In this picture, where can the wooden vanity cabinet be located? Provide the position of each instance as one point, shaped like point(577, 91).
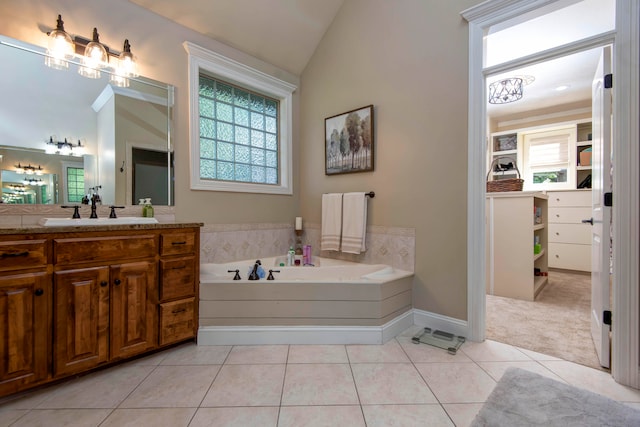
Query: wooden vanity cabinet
point(25, 330)
point(179, 278)
point(25, 312)
point(71, 301)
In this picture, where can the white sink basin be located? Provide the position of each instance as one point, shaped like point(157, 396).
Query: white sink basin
point(60, 222)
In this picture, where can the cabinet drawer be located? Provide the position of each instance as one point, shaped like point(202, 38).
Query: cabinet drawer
point(177, 321)
point(570, 233)
point(16, 255)
point(569, 256)
point(177, 277)
point(568, 215)
point(177, 243)
point(570, 198)
point(89, 249)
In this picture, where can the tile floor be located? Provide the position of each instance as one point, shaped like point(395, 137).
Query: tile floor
point(395, 384)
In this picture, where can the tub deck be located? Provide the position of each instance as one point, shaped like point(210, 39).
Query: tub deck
point(364, 302)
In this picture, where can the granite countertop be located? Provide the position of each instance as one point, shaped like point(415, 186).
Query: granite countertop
point(39, 229)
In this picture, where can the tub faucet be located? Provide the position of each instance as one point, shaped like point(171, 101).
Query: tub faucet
point(254, 271)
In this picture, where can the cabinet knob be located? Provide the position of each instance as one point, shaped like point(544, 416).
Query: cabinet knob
point(557, 215)
point(103, 283)
point(557, 234)
point(557, 256)
point(117, 282)
point(38, 292)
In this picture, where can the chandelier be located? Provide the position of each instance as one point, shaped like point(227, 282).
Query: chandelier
point(505, 91)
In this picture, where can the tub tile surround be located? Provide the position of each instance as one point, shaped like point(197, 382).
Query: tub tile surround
point(16, 216)
point(223, 243)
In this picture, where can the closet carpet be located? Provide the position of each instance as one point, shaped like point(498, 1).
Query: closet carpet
point(556, 323)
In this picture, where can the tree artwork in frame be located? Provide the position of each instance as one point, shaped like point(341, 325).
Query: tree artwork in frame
point(348, 141)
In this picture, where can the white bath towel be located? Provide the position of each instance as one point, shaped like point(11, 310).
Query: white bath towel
point(331, 222)
point(354, 222)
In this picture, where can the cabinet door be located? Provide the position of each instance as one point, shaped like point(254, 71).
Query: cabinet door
point(81, 319)
point(25, 319)
point(134, 299)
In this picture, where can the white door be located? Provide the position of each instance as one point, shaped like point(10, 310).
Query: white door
point(601, 215)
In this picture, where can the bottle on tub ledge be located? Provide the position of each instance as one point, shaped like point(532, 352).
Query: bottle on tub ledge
point(291, 257)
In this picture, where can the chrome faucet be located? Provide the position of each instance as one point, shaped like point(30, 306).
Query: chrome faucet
point(254, 271)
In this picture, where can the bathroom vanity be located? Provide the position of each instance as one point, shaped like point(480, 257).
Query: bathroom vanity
point(76, 298)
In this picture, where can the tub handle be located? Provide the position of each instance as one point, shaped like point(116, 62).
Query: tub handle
point(270, 277)
point(237, 276)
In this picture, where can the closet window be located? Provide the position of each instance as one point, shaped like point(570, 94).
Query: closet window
point(548, 159)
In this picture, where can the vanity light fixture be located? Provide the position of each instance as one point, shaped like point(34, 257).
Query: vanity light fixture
point(60, 47)
point(33, 181)
point(28, 170)
point(92, 54)
point(64, 148)
point(126, 67)
point(95, 57)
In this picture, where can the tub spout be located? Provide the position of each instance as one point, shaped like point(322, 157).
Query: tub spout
point(254, 271)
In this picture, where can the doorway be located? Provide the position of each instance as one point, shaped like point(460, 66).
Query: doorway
point(626, 211)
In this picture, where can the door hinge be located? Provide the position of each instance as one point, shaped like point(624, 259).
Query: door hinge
point(608, 199)
point(608, 81)
point(606, 317)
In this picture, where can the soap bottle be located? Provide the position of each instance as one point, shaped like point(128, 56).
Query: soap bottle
point(290, 256)
point(147, 211)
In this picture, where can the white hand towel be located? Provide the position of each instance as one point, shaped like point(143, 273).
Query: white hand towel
point(331, 222)
point(354, 222)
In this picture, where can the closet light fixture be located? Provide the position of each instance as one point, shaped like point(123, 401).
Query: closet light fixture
point(60, 47)
point(505, 91)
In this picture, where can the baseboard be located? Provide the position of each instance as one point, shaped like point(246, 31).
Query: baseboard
point(251, 335)
point(255, 335)
point(434, 321)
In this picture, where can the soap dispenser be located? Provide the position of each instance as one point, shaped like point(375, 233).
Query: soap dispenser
point(147, 211)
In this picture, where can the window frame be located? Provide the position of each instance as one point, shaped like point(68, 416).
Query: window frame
point(570, 133)
point(210, 63)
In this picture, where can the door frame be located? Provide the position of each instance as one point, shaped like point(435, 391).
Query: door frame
point(626, 211)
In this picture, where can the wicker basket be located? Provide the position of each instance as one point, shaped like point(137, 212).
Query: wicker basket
point(509, 184)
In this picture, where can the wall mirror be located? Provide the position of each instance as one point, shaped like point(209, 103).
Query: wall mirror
point(125, 133)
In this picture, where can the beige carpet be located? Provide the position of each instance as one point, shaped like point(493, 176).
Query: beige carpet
point(556, 323)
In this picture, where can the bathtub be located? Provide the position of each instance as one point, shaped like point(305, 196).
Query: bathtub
point(331, 302)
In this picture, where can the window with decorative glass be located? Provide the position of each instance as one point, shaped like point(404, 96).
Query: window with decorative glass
point(240, 125)
point(75, 184)
point(238, 134)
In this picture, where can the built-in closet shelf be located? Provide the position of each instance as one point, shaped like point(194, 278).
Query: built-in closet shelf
point(583, 168)
point(540, 255)
point(584, 143)
point(504, 153)
point(511, 232)
point(538, 283)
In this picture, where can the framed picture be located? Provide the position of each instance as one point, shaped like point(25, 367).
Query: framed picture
point(348, 142)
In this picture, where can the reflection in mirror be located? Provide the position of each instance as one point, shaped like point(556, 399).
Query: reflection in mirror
point(40, 103)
